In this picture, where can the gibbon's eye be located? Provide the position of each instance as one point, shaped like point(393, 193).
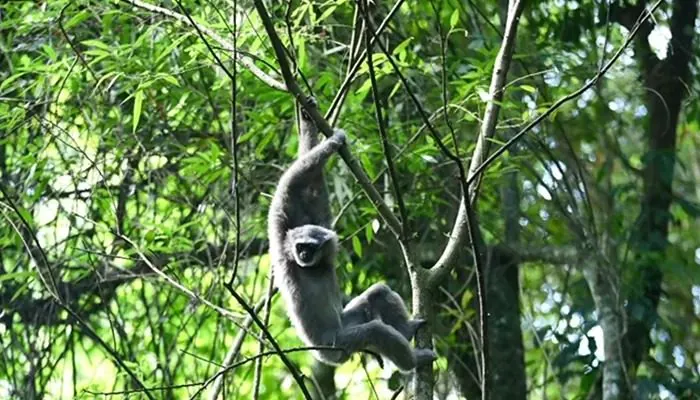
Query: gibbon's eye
point(306, 251)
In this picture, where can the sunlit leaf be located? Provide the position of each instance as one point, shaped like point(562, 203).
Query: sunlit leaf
point(138, 102)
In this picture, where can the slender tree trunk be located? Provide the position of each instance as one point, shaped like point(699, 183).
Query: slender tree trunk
point(666, 82)
point(508, 378)
point(604, 285)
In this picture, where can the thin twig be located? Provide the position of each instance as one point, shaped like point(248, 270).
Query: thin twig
point(240, 57)
point(334, 110)
point(234, 146)
point(477, 245)
point(218, 378)
point(443, 78)
point(261, 348)
point(381, 123)
point(72, 45)
point(277, 349)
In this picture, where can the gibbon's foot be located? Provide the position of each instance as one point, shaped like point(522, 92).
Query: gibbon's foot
point(424, 356)
point(413, 326)
point(339, 137)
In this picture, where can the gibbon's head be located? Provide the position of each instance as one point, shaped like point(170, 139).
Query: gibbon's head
point(310, 244)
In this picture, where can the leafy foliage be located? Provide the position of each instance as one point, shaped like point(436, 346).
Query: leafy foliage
point(117, 159)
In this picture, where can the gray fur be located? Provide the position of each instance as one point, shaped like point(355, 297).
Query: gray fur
point(303, 251)
point(315, 193)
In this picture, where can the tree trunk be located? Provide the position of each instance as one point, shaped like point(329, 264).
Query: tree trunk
point(666, 82)
point(507, 378)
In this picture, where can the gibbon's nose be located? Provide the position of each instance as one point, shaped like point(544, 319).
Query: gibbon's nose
point(305, 250)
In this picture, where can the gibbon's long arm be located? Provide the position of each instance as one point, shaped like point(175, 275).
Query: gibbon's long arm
point(301, 170)
point(296, 202)
point(315, 194)
point(308, 132)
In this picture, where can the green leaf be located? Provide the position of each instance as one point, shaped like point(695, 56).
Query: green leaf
point(169, 78)
point(302, 54)
point(166, 52)
point(6, 82)
point(50, 52)
point(357, 245)
point(400, 49)
point(369, 234)
point(454, 18)
point(138, 102)
point(18, 276)
point(528, 88)
point(76, 19)
point(96, 43)
point(466, 299)
point(327, 13)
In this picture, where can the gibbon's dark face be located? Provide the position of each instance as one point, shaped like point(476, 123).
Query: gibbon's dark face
point(306, 251)
point(310, 243)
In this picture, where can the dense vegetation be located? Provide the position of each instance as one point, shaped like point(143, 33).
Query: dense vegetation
point(140, 144)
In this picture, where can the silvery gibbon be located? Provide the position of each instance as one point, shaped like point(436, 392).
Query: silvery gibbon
point(303, 249)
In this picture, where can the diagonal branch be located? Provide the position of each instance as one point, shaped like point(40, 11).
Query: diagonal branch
point(323, 125)
point(381, 124)
point(458, 233)
point(498, 79)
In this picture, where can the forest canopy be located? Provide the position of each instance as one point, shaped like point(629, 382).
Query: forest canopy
point(525, 174)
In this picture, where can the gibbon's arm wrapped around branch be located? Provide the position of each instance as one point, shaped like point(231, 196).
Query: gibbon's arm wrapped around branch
point(308, 132)
point(299, 172)
point(297, 203)
point(316, 192)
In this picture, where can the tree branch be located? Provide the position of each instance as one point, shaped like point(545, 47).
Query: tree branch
point(488, 128)
point(449, 255)
point(389, 218)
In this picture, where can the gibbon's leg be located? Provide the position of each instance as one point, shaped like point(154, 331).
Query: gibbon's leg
point(380, 302)
point(305, 166)
point(385, 340)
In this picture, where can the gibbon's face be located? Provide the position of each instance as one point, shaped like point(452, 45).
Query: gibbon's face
point(309, 244)
point(307, 254)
